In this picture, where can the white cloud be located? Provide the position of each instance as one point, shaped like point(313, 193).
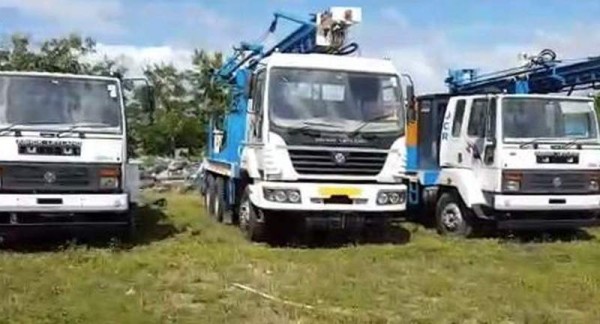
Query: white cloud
point(427, 54)
point(198, 25)
point(137, 58)
point(100, 16)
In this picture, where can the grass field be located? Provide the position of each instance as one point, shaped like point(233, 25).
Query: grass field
point(185, 269)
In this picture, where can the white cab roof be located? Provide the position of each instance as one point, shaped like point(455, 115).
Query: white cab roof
point(58, 75)
point(331, 62)
point(533, 95)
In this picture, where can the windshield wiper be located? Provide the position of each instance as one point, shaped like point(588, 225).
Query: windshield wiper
point(532, 142)
point(307, 126)
point(9, 128)
point(369, 121)
point(74, 128)
point(571, 143)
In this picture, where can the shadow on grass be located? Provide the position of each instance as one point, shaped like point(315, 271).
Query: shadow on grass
point(528, 237)
point(522, 236)
point(152, 225)
point(396, 235)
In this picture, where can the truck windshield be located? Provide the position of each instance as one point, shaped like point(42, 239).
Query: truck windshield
point(548, 118)
point(335, 100)
point(46, 102)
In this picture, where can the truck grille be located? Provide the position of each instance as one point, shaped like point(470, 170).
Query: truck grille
point(555, 182)
point(50, 178)
point(337, 162)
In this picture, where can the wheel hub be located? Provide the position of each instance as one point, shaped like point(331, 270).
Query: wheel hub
point(244, 213)
point(452, 217)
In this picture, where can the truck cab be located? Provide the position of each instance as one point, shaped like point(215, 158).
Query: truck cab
point(63, 155)
point(516, 161)
point(320, 139)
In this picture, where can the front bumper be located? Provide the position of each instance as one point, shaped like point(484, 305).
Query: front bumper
point(63, 203)
point(314, 197)
point(547, 224)
point(546, 202)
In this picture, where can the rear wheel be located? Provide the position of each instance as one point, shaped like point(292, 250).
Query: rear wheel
point(209, 196)
point(453, 218)
point(219, 199)
point(252, 220)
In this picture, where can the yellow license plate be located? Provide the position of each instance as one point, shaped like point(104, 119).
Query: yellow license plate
point(351, 192)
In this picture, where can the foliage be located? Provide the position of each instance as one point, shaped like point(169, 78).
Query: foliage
point(184, 98)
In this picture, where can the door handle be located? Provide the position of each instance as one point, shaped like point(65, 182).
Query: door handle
point(460, 158)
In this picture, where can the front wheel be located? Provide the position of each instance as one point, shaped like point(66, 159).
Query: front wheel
point(252, 221)
point(453, 217)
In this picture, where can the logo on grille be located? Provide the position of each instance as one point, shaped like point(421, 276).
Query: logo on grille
point(339, 158)
point(557, 182)
point(50, 177)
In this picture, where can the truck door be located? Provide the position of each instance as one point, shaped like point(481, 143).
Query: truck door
point(475, 133)
point(431, 112)
point(480, 133)
point(255, 118)
point(452, 141)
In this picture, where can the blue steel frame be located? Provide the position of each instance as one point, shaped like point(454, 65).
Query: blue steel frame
point(551, 77)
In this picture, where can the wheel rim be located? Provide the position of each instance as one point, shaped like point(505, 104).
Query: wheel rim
point(451, 217)
point(244, 214)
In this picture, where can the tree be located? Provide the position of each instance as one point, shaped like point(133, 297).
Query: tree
point(61, 55)
point(185, 99)
point(175, 123)
point(208, 96)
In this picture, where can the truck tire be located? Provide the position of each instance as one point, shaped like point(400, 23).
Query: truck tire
point(251, 226)
point(452, 217)
point(210, 194)
point(131, 230)
point(219, 199)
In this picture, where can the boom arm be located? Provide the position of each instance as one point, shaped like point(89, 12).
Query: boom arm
point(544, 74)
point(321, 33)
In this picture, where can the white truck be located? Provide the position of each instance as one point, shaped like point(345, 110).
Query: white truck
point(311, 139)
point(513, 161)
point(63, 152)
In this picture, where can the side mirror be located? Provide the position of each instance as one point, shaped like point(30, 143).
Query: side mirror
point(128, 84)
point(411, 104)
point(147, 93)
point(149, 99)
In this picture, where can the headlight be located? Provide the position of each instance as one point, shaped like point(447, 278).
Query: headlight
point(294, 196)
point(512, 185)
point(280, 196)
point(389, 197)
point(594, 185)
point(394, 198)
point(109, 178)
point(109, 182)
point(382, 198)
point(511, 181)
point(291, 196)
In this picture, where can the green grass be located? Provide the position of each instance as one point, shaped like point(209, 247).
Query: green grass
point(184, 268)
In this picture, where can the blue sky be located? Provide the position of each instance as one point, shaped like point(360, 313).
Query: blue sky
point(424, 38)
